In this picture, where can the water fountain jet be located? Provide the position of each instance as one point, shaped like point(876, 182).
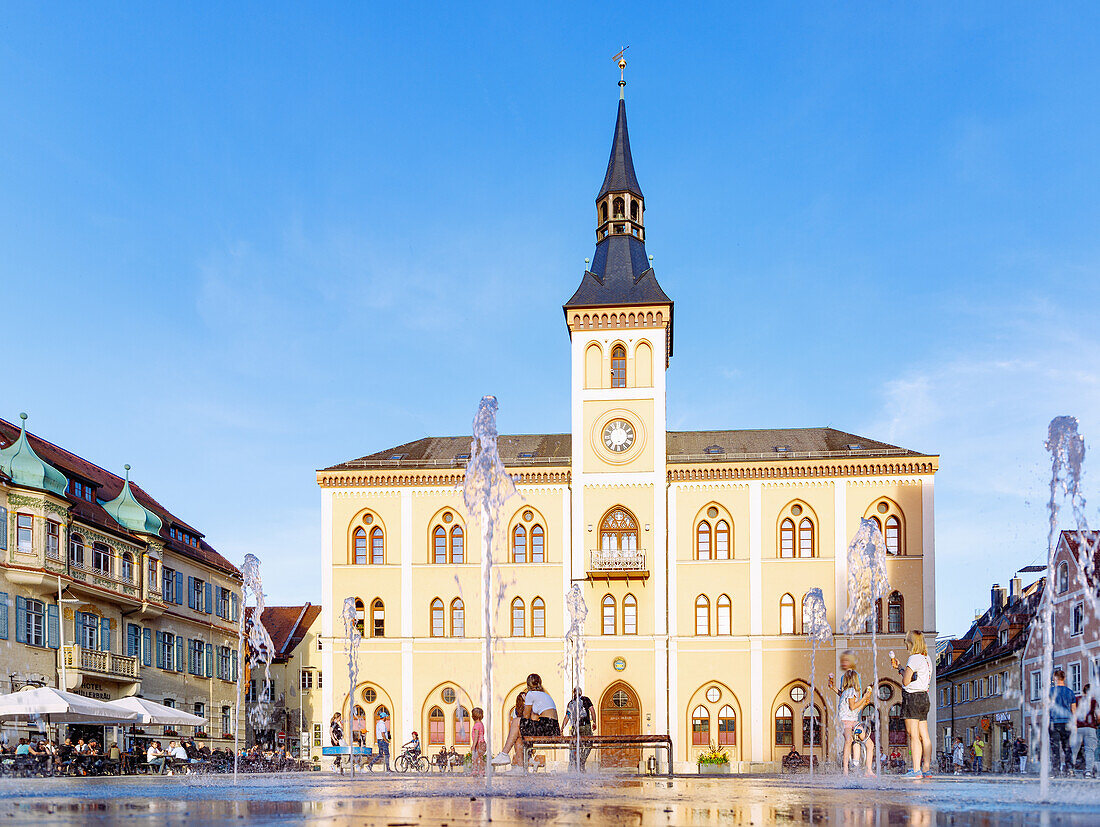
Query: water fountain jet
point(815, 621)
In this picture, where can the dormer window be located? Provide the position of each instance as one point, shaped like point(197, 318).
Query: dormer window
point(782, 449)
point(526, 455)
point(463, 456)
point(397, 456)
point(714, 449)
point(82, 491)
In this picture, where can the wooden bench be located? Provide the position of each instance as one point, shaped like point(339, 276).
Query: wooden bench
point(657, 742)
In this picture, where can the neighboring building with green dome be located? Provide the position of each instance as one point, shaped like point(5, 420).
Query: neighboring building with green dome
point(106, 593)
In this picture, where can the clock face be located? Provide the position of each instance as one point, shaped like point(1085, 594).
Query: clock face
point(618, 435)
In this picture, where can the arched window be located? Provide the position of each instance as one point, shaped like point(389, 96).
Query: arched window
point(457, 545)
point(895, 726)
point(700, 727)
point(377, 550)
point(458, 618)
point(1063, 577)
point(519, 544)
point(439, 545)
point(806, 538)
point(360, 616)
point(538, 544)
point(519, 618)
point(437, 726)
point(895, 614)
point(806, 619)
point(724, 609)
point(618, 531)
point(784, 727)
point(634, 209)
point(786, 538)
point(702, 541)
point(618, 367)
point(608, 614)
point(630, 615)
point(76, 550)
point(619, 208)
point(439, 626)
point(702, 615)
point(538, 618)
point(806, 722)
point(727, 726)
point(101, 558)
point(722, 540)
point(127, 567)
point(378, 618)
point(786, 615)
point(893, 535)
point(359, 546)
point(462, 725)
point(603, 211)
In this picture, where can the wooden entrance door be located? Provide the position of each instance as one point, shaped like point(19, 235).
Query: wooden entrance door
point(620, 714)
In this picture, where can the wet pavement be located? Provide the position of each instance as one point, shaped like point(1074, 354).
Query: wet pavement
point(397, 801)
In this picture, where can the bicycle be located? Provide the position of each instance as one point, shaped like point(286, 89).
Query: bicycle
point(411, 760)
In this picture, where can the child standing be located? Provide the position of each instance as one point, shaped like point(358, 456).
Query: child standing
point(958, 755)
point(851, 702)
point(480, 748)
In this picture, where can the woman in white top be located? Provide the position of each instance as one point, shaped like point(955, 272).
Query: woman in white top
point(916, 677)
point(539, 709)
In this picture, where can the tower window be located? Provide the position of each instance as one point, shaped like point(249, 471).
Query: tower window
point(603, 211)
point(620, 208)
point(634, 210)
point(618, 367)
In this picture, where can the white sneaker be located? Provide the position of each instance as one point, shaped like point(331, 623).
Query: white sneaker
point(501, 760)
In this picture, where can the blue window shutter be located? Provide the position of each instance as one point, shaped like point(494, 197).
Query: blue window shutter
point(179, 588)
point(208, 598)
point(233, 677)
point(53, 627)
point(179, 653)
point(104, 635)
point(234, 607)
point(133, 640)
point(146, 646)
point(209, 673)
point(3, 615)
point(20, 619)
point(160, 649)
point(190, 592)
point(3, 528)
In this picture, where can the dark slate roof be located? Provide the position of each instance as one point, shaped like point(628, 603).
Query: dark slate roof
point(620, 166)
point(620, 275)
point(683, 446)
point(108, 486)
point(1019, 610)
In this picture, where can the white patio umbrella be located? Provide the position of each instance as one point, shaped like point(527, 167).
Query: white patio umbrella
point(151, 712)
point(58, 707)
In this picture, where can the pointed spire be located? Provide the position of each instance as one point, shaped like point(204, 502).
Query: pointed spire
point(25, 467)
point(620, 175)
point(129, 513)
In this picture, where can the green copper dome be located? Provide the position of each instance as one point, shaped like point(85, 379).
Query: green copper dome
point(129, 513)
point(23, 465)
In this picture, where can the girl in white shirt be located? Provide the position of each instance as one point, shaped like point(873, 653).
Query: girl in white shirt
point(916, 677)
point(851, 702)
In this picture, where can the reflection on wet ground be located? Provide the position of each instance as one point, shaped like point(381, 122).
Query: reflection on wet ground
point(545, 800)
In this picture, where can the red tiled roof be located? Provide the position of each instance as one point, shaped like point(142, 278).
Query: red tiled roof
point(1073, 540)
point(287, 625)
point(109, 487)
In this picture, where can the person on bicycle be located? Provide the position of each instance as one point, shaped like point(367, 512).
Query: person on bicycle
point(412, 746)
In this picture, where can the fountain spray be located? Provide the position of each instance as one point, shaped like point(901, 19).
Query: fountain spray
point(574, 657)
point(260, 650)
point(486, 488)
point(816, 625)
point(867, 584)
point(354, 638)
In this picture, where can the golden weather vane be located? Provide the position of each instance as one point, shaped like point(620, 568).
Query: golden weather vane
point(620, 58)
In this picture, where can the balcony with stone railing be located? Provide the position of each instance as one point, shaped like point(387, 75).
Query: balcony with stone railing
point(89, 664)
point(617, 564)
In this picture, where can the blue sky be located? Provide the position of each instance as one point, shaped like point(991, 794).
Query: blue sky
point(243, 243)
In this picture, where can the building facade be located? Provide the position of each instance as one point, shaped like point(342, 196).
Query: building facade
point(694, 549)
point(1076, 627)
point(979, 674)
point(290, 711)
point(106, 593)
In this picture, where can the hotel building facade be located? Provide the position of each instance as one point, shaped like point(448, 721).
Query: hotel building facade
point(694, 549)
point(106, 593)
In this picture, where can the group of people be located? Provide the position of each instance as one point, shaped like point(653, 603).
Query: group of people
point(916, 677)
point(48, 758)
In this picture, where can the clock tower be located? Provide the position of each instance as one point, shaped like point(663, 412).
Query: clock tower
point(620, 330)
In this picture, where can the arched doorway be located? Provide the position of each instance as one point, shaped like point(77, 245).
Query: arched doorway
point(620, 714)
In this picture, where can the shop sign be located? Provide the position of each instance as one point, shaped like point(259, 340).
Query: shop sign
point(93, 690)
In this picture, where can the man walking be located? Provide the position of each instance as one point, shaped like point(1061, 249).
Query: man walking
point(1087, 712)
point(382, 736)
point(581, 712)
point(979, 752)
point(1063, 705)
point(1019, 752)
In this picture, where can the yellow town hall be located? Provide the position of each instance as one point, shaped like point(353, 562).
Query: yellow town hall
point(694, 549)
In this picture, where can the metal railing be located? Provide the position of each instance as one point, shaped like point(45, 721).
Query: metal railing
point(103, 663)
point(615, 560)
